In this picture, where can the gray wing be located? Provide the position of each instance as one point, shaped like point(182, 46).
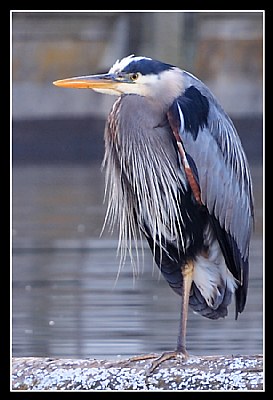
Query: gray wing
point(216, 157)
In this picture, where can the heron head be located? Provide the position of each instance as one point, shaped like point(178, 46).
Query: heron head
point(133, 75)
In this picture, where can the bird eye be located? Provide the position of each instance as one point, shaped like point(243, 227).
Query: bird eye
point(134, 76)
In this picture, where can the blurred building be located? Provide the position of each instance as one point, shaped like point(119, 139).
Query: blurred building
point(64, 304)
point(224, 49)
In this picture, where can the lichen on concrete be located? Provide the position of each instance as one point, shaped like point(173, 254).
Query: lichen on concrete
point(197, 373)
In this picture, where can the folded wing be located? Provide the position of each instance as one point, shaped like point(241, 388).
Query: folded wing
point(215, 157)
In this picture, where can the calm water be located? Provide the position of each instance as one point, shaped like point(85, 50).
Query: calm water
point(67, 301)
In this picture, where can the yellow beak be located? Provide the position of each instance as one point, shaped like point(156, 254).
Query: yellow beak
point(104, 81)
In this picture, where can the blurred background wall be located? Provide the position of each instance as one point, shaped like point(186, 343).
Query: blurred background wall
point(224, 49)
point(64, 303)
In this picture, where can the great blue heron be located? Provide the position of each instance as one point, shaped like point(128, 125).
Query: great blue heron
point(176, 172)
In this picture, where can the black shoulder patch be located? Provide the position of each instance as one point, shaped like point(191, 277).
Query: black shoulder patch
point(146, 66)
point(195, 109)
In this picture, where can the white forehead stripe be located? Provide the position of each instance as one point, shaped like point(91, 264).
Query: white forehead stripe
point(121, 64)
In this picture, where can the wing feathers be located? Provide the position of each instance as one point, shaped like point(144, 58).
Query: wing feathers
point(221, 170)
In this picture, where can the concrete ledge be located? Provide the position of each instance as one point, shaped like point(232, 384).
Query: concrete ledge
point(238, 372)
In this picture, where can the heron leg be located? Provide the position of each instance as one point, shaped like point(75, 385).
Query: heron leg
point(187, 273)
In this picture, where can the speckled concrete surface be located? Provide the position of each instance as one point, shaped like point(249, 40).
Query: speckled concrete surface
point(197, 373)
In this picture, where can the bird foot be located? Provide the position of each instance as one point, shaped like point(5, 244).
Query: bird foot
point(143, 357)
point(165, 357)
point(159, 360)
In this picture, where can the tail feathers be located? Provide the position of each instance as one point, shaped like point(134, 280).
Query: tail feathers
point(241, 291)
point(200, 306)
